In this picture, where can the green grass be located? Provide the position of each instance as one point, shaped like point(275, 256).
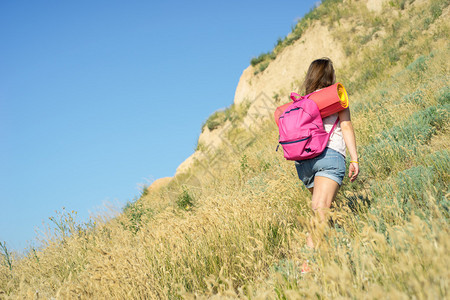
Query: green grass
point(185, 200)
point(233, 113)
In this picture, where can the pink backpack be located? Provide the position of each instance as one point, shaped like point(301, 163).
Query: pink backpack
point(302, 134)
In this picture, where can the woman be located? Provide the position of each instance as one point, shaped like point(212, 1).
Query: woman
point(323, 174)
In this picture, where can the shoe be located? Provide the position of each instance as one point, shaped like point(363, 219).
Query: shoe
point(306, 268)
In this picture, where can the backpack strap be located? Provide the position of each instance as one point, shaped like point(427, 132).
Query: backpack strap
point(332, 128)
point(296, 97)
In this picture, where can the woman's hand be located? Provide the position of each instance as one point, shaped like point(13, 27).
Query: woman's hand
point(353, 171)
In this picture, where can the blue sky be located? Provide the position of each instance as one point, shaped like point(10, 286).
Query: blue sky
point(99, 97)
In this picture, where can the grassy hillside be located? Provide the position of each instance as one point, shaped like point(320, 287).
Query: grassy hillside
point(235, 224)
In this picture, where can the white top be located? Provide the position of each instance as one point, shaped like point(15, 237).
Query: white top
point(336, 141)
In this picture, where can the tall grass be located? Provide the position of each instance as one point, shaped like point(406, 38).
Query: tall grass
point(238, 228)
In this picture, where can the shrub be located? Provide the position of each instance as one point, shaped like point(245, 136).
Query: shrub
point(415, 97)
point(443, 96)
point(365, 38)
point(134, 213)
point(215, 120)
point(232, 113)
point(263, 66)
point(257, 60)
point(264, 57)
point(398, 4)
point(440, 162)
point(419, 65)
point(393, 54)
point(185, 201)
point(436, 10)
point(244, 163)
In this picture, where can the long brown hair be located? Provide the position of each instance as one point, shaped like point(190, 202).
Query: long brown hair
point(320, 75)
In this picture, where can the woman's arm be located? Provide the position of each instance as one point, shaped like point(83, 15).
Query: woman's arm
point(350, 142)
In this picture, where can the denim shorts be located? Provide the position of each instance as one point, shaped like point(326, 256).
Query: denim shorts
point(329, 163)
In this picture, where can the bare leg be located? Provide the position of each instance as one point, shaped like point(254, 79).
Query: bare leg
point(323, 193)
